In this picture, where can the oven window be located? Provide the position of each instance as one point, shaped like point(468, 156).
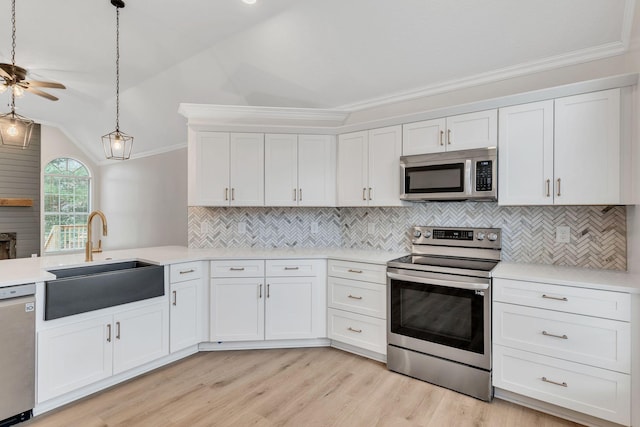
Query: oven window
point(435, 179)
point(448, 316)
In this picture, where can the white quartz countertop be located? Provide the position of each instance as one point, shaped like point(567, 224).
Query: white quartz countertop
point(610, 280)
point(28, 270)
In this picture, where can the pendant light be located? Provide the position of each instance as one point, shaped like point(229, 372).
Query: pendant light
point(117, 144)
point(15, 130)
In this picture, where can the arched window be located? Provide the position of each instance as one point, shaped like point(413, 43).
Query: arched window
point(67, 204)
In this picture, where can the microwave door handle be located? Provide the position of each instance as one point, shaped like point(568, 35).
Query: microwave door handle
point(467, 177)
point(438, 282)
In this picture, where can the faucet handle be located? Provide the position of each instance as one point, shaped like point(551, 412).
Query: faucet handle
point(99, 248)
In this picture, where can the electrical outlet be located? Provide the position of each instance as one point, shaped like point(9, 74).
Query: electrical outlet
point(242, 227)
point(314, 228)
point(371, 228)
point(563, 234)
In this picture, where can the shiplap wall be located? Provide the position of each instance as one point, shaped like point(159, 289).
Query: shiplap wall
point(20, 177)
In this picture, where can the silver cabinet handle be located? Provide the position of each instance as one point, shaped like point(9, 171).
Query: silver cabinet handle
point(292, 268)
point(226, 193)
point(370, 193)
point(548, 188)
point(364, 194)
point(187, 271)
point(441, 135)
point(233, 194)
point(268, 290)
point(558, 187)
point(175, 298)
point(260, 291)
point(354, 297)
point(300, 194)
point(449, 136)
point(359, 331)
point(562, 384)
point(108, 332)
point(547, 334)
point(117, 330)
point(236, 268)
point(295, 193)
point(354, 271)
point(554, 298)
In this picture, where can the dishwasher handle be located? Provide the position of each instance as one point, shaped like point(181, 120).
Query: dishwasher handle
point(10, 292)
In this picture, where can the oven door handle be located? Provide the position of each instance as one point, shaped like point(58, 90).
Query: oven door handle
point(439, 282)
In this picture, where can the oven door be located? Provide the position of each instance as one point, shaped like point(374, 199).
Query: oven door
point(442, 315)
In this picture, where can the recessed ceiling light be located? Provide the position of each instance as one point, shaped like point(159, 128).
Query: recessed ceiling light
point(249, 1)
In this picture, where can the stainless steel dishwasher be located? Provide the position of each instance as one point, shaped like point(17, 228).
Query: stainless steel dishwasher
point(17, 353)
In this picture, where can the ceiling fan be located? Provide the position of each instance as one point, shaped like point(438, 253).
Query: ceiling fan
point(15, 77)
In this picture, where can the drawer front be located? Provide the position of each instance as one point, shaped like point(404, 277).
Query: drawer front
point(602, 343)
point(185, 271)
point(358, 330)
point(295, 268)
point(598, 392)
point(358, 297)
point(237, 268)
point(591, 302)
point(358, 271)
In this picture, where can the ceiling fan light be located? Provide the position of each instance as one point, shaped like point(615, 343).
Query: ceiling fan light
point(18, 91)
point(15, 130)
point(117, 145)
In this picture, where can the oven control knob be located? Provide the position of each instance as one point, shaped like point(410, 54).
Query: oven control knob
point(480, 236)
point(426, 234)
point(417, 233)
point(492, 236)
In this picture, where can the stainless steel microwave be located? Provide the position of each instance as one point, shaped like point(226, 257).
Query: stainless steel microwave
point(454, 175)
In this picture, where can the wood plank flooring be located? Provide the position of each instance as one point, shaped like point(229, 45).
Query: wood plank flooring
point(284, 387)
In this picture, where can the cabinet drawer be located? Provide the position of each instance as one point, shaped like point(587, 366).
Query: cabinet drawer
point(294, 268)
point(358, 297)
point(358, 330)
point(358, 271)
point(185, 271)
point(570, 299)
point(597, 342)
point(598, 392)
point(237, 268)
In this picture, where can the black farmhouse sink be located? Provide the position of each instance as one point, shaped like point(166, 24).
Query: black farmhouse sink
point(81, 289)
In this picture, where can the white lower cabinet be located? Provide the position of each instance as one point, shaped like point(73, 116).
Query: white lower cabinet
point(287, 303)
point(564, 345)
point(357, 302)
point(188, 305)
point(80, 353)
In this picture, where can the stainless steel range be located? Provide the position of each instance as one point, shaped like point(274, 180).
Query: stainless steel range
point(439, 308)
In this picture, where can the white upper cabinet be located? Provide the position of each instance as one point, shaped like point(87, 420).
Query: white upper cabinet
point(299, 170)
point(226, 169)
point(461, 132)
point(565, 151)
point(369, 167)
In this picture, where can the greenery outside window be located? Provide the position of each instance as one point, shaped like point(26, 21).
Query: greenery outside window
point(67, 204)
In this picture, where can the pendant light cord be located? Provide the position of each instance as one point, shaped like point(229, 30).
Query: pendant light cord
point(117, 69)
point(13, 52)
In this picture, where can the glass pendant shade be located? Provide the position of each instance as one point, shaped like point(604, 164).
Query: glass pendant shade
point(15, 130)
point(117, 145)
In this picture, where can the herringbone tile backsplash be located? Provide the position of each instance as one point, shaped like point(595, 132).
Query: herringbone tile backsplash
point(598, 234)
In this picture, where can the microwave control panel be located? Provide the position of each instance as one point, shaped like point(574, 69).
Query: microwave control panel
point(484, 175)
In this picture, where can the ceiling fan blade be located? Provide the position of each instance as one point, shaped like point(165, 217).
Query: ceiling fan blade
point(41, 93)
point(4, 74)
point(52, 85)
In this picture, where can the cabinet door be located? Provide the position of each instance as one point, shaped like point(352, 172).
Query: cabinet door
point(247, 169)
point(73, 356)
point(237, 309)
point(316, 170)
point(281, 170)
point(423, 137)
point(140, 336)
point(289, 312)
point(352, 169)
point(208, 169)
point(185, 314)
point(587, 149)
point(473, 130)
point(526, 154)
point(385, 147)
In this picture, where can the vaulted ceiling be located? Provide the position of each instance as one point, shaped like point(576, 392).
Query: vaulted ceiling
point(288, 53)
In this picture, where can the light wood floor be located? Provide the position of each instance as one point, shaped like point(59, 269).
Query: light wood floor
point(289, 387)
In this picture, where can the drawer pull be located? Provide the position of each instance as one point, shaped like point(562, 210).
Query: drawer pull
point(562, 384)
point(355, 271)
point(236, 268)
point(175, 298)
point(187, 271)
point(547, 334)
point(117, 330)
point(359, 331)
point(555, 298)
point(353, 297)
point(108, 332)
point(292, 268)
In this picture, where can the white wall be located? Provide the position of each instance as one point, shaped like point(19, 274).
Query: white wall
point(145, 201)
